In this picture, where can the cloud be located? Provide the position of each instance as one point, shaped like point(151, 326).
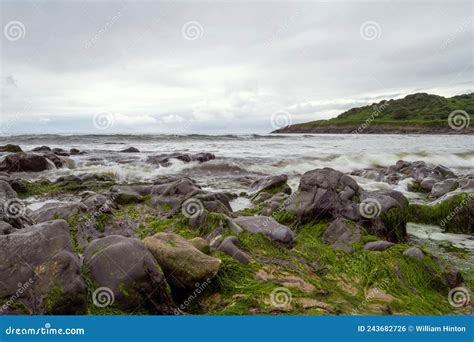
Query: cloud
point(78, 59)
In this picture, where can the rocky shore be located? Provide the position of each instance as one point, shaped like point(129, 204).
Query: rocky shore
point(170, 247)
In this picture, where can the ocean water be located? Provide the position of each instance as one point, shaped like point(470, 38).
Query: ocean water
point(252, 155)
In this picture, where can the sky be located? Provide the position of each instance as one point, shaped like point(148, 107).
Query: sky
point(218, 67)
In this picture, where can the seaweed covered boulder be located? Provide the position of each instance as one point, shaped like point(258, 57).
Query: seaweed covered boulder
point(41, 261)
point(10, 148)
point(325, 193)
point(128, 272)
point(454, 213)
point(54, 210)
point(183, 264)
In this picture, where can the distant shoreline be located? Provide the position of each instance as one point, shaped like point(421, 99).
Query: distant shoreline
point(372, 130)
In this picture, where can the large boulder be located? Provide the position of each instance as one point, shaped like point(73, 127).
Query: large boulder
point(325, 192)
point(442, 188)
point(268, 227)
point(28, 162)
point(128, 272)
point(342, 233)
point(183, 264)
point(41, 261)
point(12, 210)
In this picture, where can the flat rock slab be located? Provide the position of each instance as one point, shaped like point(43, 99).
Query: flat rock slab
point(267, 226)
point(341, 234)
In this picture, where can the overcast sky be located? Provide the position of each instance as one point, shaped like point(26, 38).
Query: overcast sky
point(221, 67)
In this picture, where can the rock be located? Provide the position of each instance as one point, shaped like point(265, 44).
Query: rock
point(182, 263)
point(42, 149)
point(6, 228)
point(127, 197)
point(60, 152)
point(51, 211)
point(200, 244)
point(10, 148)
point(131, 150)
point(96, 202)
point(164, 159)
point(427, 183)
point(323, 192)
point(229, 247)
point(441, 188)
point(42, 257)
point(27, 162)
point(175, 192)
point(466, 184)
point(378, 245)
point(386, 211)
point(414, 252)
point(342, 233)
point(75, 152)
point(268, 227)
point(6, 191)
point(454, 278)
point(271, 184)
point(128, 270)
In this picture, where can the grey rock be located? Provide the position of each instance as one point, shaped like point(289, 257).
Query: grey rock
point(131, 150)
point(269, 183)
point(378, 245)
point(126, 267)
point(42, 256)
point(441, 188)
point(414, 252)
point(267, 226)
point(51, 211)
point(342, 233)
point(229, 247)
point(28, 162)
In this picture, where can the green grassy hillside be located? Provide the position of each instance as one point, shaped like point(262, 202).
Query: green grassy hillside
point(418, 111)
